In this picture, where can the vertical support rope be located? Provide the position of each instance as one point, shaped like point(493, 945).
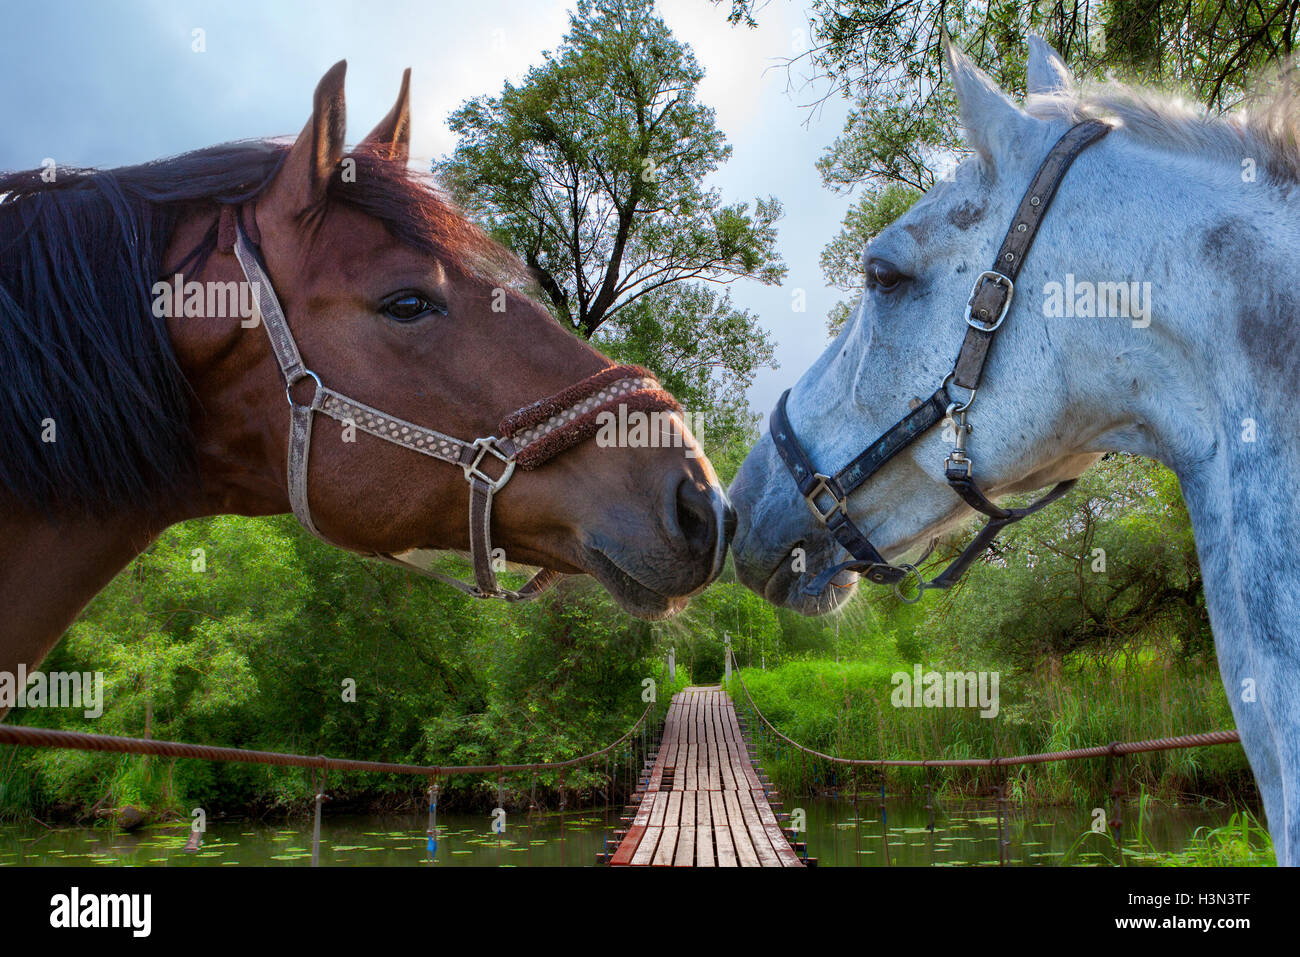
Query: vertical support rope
point(1115, 771)
point(561, 818)
point(320, 797)
point(1004, 826)
point(501, 821)
point(609, 797)
point(884, 820)
point(532, 809)
point(929, 811)
point(431, 843)
point(857, 820)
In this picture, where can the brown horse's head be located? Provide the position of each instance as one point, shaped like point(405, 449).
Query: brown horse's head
point(399, 302)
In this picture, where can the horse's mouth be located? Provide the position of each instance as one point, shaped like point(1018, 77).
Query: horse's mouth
point(783, 586)
point(632, 595)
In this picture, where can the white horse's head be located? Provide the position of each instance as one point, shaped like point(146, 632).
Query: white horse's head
point(1065, 381)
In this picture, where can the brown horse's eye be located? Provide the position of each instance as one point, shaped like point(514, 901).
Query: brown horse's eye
point(409, 306)
point(884, 275)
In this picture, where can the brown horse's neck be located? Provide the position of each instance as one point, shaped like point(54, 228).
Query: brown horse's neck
point(48, 572)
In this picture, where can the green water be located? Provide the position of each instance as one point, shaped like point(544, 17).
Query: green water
point(964, 834)
point(346, 839)
point(967, 833)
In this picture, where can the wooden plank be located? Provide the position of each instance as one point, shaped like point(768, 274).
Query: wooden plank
point(667, 848)
point(673, 813)
point(685, 847)
point(775, 833)
point(645, 851)
point(703, 831)
point(627, 849)
point(721, 833)
point(658, 808)
point(745, 852)
point(767, 856)
point(715, 763)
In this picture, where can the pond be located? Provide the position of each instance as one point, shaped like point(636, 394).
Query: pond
point(965, 833)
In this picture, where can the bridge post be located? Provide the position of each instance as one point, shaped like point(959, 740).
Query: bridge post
point(726, 654)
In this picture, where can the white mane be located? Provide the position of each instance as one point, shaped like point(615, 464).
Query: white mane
point(1268, 130)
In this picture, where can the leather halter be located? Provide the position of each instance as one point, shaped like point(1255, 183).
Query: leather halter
point(529, 437)
point(987, 308)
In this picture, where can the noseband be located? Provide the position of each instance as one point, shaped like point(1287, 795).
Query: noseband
point(529, 437)
point(989, 302)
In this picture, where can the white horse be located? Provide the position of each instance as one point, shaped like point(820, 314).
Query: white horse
point(1203, 215)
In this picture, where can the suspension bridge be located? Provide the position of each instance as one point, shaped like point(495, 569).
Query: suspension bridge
point(704, 804)
point(697, 797)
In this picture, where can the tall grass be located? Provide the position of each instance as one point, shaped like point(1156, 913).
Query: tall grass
point(844, 709)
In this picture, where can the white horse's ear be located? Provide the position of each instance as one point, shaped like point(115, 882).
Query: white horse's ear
point(991, 120)
point(1046, 73)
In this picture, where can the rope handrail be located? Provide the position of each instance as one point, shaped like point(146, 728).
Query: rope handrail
point(23, 736)
point(1113, 749)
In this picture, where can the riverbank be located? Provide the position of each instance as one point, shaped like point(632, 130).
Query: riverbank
point(855, 709)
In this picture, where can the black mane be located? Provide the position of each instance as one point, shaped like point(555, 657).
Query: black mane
point(79, 343)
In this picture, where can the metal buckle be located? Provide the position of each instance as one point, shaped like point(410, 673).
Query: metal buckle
point(958, 456)
point(304, 374)
point(921, 585)
point(485, 447)
point(811, 499)
point(1001, 280)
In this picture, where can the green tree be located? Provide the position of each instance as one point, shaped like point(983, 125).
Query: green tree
point(706, 352)
point(887, 57)
point(593, 170)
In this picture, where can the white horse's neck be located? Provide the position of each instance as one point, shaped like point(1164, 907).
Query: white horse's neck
point(1209, 389)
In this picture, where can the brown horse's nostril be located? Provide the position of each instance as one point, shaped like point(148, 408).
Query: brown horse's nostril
point(695, 518)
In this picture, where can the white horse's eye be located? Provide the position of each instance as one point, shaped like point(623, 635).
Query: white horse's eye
point(884, 275)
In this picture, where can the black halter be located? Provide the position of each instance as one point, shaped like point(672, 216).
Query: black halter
point(989, 302)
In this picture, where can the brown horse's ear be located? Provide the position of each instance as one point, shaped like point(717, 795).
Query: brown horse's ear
point(392, 137)
point(319, 146)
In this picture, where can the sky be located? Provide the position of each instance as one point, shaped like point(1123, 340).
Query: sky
point(89, 83)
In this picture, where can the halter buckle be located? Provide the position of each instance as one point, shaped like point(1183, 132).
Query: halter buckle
point(487, 446)
point(302, 374)
point(921, 585)
point(998, 279)
point(824, 486)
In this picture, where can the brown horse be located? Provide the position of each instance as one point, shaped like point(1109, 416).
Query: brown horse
point(116, 423)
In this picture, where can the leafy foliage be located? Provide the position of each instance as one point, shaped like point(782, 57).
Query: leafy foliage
point(706, 352)
point(887, 57)
point(593, 170)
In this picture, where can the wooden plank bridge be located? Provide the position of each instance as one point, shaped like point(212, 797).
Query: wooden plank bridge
point(704, 804)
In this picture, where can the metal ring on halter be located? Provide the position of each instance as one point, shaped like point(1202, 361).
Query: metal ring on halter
point(304, 374)
point(920, 585)
point(488, 446)
point(954, 407)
